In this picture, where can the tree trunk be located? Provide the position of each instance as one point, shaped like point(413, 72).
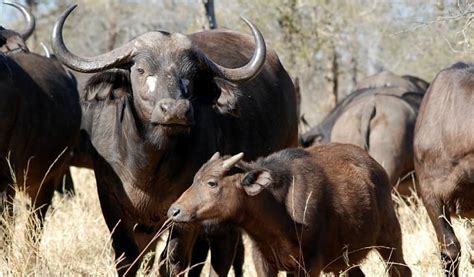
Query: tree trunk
point(210, 22)
point(331, 77)
point(354, 71)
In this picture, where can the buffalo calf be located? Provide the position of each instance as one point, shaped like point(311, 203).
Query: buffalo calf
point(305, 209)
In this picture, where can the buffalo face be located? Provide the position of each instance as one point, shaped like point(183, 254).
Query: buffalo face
point(171, 79)
point(164, 89)
point(215, 194)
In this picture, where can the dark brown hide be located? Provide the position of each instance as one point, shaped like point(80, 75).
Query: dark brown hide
point(444, 155)
point(305, 209)
point(39, 124)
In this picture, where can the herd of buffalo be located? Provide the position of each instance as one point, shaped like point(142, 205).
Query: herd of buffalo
point(202, 130)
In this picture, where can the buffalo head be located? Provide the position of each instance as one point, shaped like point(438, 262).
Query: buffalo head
point(215, 194)
point(170, 77)
point(11, 40)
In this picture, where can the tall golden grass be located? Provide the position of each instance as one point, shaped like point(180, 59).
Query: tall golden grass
point(76, 241)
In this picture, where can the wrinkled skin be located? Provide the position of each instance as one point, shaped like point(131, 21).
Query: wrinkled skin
point(144, 158)
point(293, 204)
point(39, 121)
point(383, 104)
point(444, 155)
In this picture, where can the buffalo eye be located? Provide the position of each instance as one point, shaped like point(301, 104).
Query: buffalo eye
point(184, 83)
point(141, 71)
point(212, 184)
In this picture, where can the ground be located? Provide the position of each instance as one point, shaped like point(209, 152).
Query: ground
point(76, 240)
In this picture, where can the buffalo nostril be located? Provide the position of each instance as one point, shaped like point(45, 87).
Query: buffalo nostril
point(175, 212)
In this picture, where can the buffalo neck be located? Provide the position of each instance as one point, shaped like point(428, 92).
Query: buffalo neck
point(270, 225)
point(164, 169)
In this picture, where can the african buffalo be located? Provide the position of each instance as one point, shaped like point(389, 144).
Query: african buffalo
point(11, 42)
point(380, 117)
point(303, 208)
point(39, 122)
point(444, 155)
point(160, 106)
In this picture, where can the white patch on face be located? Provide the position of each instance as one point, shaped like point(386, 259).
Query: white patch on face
point(151, 83)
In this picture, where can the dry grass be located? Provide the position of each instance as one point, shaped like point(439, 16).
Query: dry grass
point(76, 240)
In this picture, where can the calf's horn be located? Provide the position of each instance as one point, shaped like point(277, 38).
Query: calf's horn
point(230, 162)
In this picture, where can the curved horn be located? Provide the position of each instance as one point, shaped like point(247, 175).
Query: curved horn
point(98, 63)
point(30, 20)
point(230, 162)
point(47, 54)
point(253, 67)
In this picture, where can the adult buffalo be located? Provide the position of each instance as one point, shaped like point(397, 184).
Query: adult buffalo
point(444, 155)
point(380, 117)
point(39, 122)
point(161, 106)
point(12, 42)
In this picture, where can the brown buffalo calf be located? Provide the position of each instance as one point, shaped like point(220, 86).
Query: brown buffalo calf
point(307, 210)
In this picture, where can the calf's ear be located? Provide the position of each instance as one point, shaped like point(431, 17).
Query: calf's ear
point(255, 181)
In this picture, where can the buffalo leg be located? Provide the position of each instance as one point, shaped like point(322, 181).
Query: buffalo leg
point(145, 246)
point(41, 197)
point(176, 256)
point(440, 218)
point(200, 251)
point(224, 245)
point(239, 257)
point(261, 266)
point(125, 248)
point(390, 244)
point(123, 241)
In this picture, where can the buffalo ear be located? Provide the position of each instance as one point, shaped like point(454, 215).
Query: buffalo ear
point(108, 85)
point(255, 181)
point(226, 103)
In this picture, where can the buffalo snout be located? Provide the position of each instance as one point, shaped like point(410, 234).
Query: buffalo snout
point(170, 111)
point(177, 213)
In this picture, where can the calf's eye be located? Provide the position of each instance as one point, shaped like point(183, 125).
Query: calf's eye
point(212, 184)
point(141, 71)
